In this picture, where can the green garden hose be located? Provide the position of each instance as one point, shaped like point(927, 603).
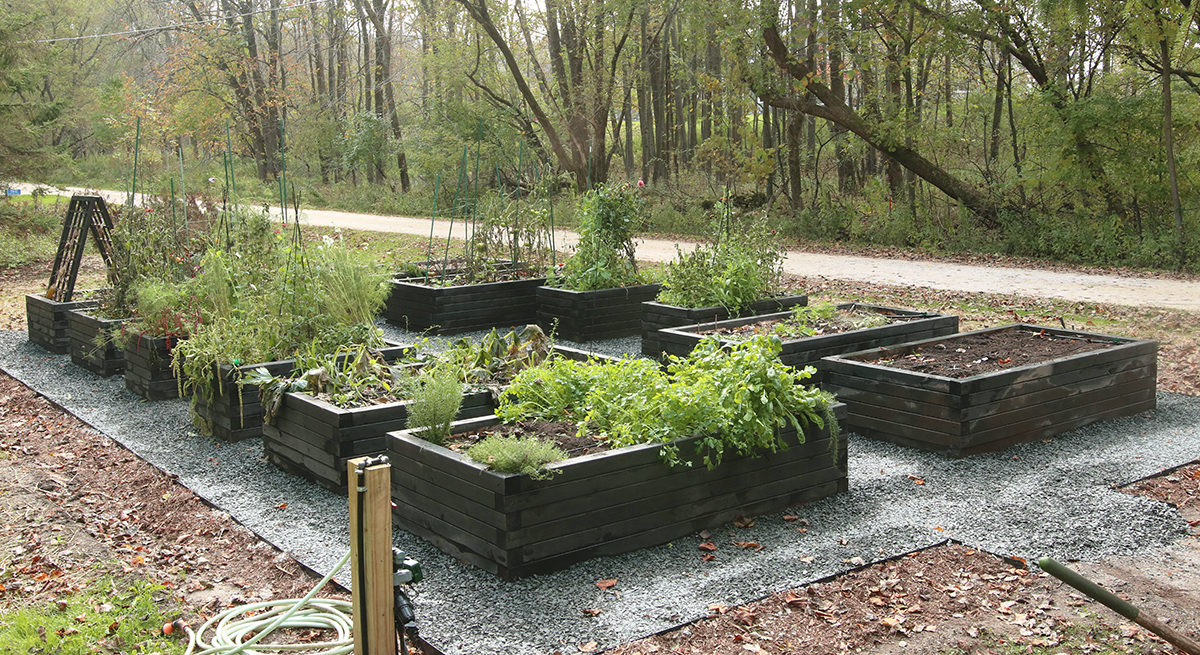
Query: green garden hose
point(230, 627)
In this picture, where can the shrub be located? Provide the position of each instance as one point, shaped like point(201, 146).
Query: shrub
point(604, 258)
point(524, 455)
point(742, 264)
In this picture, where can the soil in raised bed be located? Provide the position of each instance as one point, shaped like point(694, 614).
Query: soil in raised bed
point(844, 320)
point(561, 433)
point(974, 354)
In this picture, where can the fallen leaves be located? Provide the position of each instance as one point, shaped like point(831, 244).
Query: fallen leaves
point(592, 612)
point(606, 584)
point(708, 546)
point(917, 480)
point(746, 545)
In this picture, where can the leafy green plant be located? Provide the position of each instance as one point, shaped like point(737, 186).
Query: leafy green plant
point(153, 242)
point(278, 306)
point(734, 398)
point(519, 455)
point(741, 264)
point(608, 216)
point(350, 376)
point(496, 358)
point(437, 395)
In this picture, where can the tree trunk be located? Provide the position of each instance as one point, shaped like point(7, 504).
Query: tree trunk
point(1164, 50)
point(834, 109)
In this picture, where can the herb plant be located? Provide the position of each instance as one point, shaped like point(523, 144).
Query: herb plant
point(519, 455)
point(437, 395)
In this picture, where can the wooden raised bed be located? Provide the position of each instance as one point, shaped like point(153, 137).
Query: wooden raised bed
point(598, 504)
point(804, 351)
point(414, 305)
point(46, 321)
point(991, 411)
point(148, 371)
point(656, 316)
point(95, 342)
point(234, 413)
point(590, 315)
point(313, 439)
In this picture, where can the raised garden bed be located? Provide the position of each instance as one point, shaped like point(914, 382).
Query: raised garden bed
point(591, 315)
point(1029, 397)
point(95, 342)
point(597, 504)
point(313, 438)
point(46, 321)
point(234, 413)
point(148, 371)
point(906, 325)
point(417, 306)
point(656, 316)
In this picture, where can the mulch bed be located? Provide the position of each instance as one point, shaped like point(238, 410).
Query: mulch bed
point(987, 353)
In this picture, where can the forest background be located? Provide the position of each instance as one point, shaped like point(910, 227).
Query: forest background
point(1060, 129)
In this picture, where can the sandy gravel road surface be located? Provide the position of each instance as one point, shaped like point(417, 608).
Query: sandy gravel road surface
point(1138, 292)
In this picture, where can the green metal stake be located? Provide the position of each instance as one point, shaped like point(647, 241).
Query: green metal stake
point(173, 228)
point(282, 173)
point(137, 148)
point(517, 214)
point(462, 180)
point(475, 205)
point(229, 149)
point(182, 185)
point(550, 202)
point(437, 183)
point(1119, 605)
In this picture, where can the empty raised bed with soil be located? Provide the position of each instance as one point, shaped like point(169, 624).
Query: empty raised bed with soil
point(96, 342)
point(591, 315)
point(418, 306)
point(313, 438)
point(656, 316)
point(46, 321)
point(601, 503)
point(988, 389)
point(903, 325)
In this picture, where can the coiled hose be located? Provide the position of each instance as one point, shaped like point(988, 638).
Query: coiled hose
point(230, 627)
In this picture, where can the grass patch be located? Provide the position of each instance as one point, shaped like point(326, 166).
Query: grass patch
point(29, 230)
point(109, 616)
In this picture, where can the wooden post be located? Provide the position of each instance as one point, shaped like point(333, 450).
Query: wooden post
point(371, 557)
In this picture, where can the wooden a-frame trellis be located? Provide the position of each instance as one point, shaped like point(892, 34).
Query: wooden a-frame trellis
point(84, 214)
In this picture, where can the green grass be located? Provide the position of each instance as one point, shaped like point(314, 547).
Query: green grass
point(29, 229)
point(1090, 635)
point(110, 616)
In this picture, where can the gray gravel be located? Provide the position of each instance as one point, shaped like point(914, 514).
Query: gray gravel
point(1052, 498)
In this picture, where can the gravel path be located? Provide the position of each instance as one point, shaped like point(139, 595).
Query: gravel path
point(1136, 292)
point(1049, 498)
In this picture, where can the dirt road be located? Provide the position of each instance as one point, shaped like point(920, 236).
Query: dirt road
point(1138, 292)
